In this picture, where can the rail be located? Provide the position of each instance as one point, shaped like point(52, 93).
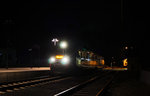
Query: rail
point(78, 87)
point(106, 87)
point(26, 83)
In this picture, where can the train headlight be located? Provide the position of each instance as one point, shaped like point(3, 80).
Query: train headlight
point(52, 60)
point(65, 60)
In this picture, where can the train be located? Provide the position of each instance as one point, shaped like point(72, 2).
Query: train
point(89, 59)
point(59, 63)
point(81, 59)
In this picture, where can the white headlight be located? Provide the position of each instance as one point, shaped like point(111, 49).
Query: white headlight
point(65, 60)
point(52, 60)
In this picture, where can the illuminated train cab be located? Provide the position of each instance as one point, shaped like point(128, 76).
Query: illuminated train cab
point(59, 62)
point(62, 59)
point(88, 59)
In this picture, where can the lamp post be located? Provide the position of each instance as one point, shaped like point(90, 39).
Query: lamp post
point(30, 53)
point(63, 45)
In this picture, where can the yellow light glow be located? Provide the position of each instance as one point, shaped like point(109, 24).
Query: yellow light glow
point(125, 62)
point(59, 56)
point(93, 63)
point(102, 62)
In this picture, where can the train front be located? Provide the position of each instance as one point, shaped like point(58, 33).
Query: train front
point(59, 63)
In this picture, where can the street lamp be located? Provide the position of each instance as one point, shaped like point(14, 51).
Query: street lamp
point(126, 48)
point(63, 45)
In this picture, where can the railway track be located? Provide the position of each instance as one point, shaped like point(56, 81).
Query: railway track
point(82, 85)
point(96, 86)
point(13, 86)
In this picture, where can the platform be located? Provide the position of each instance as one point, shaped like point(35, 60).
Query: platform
point(23, 69)
point(115, 68)
point(16, 74)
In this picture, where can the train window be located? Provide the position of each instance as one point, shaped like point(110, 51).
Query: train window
point(87, 56)
point(79, 53)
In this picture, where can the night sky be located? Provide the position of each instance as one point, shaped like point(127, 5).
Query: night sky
point(96, 25)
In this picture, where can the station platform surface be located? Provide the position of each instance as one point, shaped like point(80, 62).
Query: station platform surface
point(4, 70)
point(115, 68)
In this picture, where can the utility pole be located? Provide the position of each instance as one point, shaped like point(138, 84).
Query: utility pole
point(30, 53)
point(8, 23)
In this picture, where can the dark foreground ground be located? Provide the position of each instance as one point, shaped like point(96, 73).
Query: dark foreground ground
point(128, 84)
